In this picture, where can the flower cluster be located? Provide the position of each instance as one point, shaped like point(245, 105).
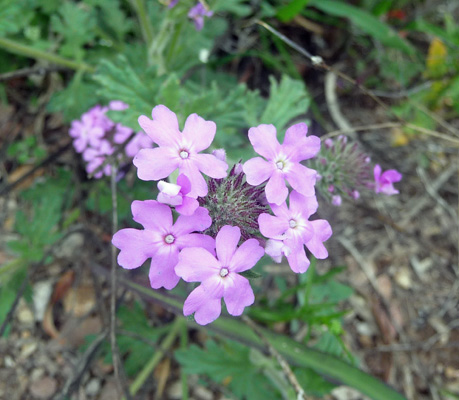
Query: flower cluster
point(196, 13)
point(226, 223)
point(95, 135)
point(346, 171)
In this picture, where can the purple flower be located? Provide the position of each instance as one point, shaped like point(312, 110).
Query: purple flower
point(219, 276)
point(85, 132)
point(384, 181)
point(161, 240)
point(179, 149)
point(197, 14)
point(283, 161)
point(337, 200)
point(291, 227)
point(94, 157)
point(176, 195)
point(139, 142)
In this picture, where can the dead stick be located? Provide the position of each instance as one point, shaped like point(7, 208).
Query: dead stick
point(284, 365)
point(119, 370)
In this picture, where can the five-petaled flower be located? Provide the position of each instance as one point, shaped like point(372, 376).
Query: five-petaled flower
point(292, 230)
point(219, 276)
point(283, 161)
point(384, 181)
point(179, 150)
point(161, 240)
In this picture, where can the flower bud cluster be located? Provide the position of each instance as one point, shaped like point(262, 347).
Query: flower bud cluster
point(345, 171)
point(95, 135)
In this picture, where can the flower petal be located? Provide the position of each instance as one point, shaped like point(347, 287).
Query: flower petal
point(246, 256)
point(199, 132)
point(184, 183)
point(206, 309)
point(196, 265)
point(257, 170)
point(226, 243)
point(162, 272)
point(298, 261)
point(197, 240)
point(322, 232)
point(188, 206)
point(164, 129)
point(152, 215)
point(302, 179)
point(136, 247)
point(272, 227)
point(276, 190)
point(304, 205)
point(155, 164)
point(198, 183)
point(211, 165)
point(264, 141)
point(239, 295)
point(298, 146)
point(199, 221)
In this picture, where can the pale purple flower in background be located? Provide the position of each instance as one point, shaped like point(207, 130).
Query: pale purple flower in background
point(173, 3)
point(94, 158)
point(355, 194)
point(139, 142)
point(197, 14)
point(176, 195)
point(117, 105)
point(384, 181)
point(179, 150)
point(121, 133)
point(337, 200)
point(85, 132)
point(219, 276)
point(161, 240)
point(282, 161)
point(292, 227)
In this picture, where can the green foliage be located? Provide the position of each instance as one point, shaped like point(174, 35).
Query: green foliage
point(15, 15)
point(230, 363)
point(68, 22)
point(26, 150)
point(291, 10)
point(366, 22)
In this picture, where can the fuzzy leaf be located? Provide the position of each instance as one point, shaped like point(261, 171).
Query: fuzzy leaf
point(288, 99)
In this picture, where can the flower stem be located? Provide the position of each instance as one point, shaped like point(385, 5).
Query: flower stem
point(156, 358)
point(28, 51)
point(145, 26)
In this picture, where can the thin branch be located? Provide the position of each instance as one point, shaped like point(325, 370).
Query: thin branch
point(32, 52)
point(119, 370)
point(283, 363)
point(7, 188)
point(39, 70)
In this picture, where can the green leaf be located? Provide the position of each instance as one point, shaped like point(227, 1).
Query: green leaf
point(287, 100)
point(312, 382)
point(71, 18)
point(291, 10)
point(367, 22)
point(236, 7)
point(119, 81)
point(228, 362)
point(15, 15)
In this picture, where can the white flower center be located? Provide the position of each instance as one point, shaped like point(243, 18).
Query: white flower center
point(169, 239)
point(292, 223)
point(184, 154)
point(223, 272)
point(280, 165)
